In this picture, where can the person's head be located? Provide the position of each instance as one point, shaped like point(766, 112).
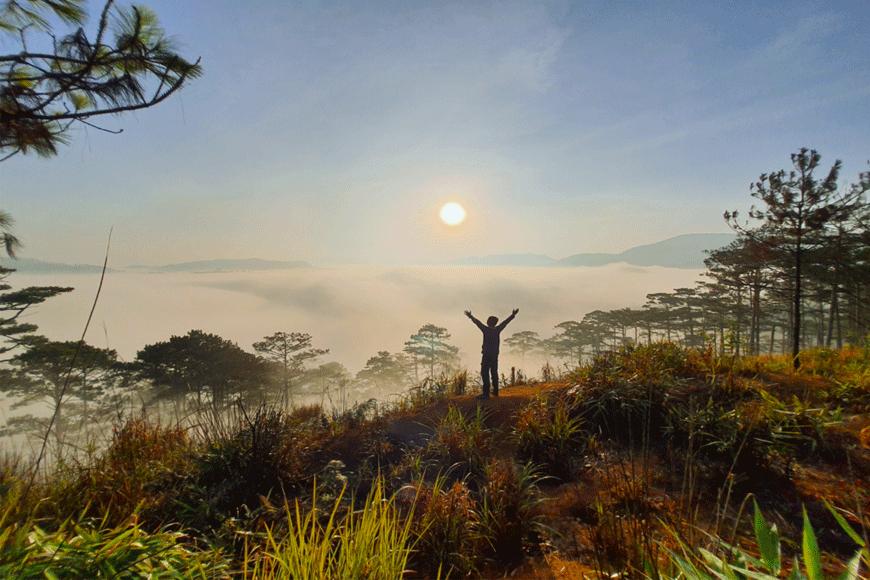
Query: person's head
point(492, 321)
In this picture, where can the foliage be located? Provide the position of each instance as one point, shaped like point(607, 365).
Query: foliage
point(43, 92)
point(770, 565)
point(89, 551)
point(570, 342)
point(433, 389)
point(460, 442)
point(797, 208)
point(622, 394)
point(371, 542)
point(507, 513)
point(290, 351)
point(523, 342)
point(446, 524)
point(138, 470)
point(385, 370)
point(429, 348)
point(263, 453)
point(14, 304)
point(548, 437)
point(78, 380)
point(201, 364)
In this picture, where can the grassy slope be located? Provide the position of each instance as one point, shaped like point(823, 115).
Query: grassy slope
point(647, 438)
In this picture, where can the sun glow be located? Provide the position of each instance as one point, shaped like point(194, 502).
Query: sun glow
point(452, 213)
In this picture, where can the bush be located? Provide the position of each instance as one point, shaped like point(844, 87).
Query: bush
point(460, 443)
point(137, 469)
point(82, 551)
point(269, 450)
point(548, 437)
point(447, 525)
point(509, 499)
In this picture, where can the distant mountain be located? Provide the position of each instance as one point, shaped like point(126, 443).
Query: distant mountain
point(31, 266)
point(225, 266)
point(685, 251)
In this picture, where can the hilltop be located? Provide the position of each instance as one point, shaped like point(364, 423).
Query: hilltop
point(585, 475)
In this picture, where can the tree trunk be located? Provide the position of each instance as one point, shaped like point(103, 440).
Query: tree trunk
point(796, 329)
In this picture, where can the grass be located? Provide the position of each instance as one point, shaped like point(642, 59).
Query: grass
point(630, 465)
point(770, 563)
point(373, 541)
point(548, 437)
point(90, 550)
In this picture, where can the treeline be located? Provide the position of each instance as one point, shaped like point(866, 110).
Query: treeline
point(797, 276)
point(86, 384)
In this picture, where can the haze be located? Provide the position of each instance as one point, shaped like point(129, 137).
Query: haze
point(354, 311)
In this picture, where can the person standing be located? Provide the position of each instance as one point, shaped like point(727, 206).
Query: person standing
point(489, 361)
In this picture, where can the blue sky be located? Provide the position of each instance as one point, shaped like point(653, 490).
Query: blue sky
point(333, 132)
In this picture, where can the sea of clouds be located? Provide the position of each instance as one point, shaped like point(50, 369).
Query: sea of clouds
point(354, 311)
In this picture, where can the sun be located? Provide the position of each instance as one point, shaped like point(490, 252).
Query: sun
point(452, 213)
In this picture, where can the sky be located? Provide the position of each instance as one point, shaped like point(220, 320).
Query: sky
point(333, 132)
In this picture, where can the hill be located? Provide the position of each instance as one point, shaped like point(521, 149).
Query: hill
point(686, 251)
point(595, 474)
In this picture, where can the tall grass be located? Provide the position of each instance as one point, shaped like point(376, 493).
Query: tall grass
point(91, 551)
point(548, 436)
point(462, 442)
point(770, 565)
point(372, 542)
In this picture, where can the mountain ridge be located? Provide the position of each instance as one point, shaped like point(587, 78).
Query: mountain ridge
point(685, 251)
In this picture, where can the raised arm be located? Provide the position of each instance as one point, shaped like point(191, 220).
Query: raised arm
point(474, 320)
point(508, 319)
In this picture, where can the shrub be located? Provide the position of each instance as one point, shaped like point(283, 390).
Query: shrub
point(447, 527)
point(137, 469)
point(269, 450)
point(509, 499)
point(548, 437)
point(461, 442)
point(82, 551)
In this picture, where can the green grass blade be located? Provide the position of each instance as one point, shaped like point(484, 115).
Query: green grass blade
point(812, 557)
point(768, 542)
point(845, 525)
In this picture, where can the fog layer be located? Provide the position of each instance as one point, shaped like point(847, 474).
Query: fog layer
point(353, 311)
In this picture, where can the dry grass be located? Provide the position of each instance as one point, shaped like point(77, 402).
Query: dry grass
point(643, 437)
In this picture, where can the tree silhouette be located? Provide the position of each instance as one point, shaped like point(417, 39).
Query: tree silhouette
point(290, 351)
point(14, 304)
point(570, 342)
point(797, 206)
point(201, 364)
point(385, 370)
point(80, 374)
point(429, 347)
point(43, 92)
point(523, 342)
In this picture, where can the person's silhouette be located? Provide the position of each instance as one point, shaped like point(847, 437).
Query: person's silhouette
point(489, 361)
